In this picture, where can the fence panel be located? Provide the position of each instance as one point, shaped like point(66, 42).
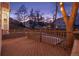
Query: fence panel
point(50, 36)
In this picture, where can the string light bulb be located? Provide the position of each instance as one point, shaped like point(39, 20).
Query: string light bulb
point(61, 3)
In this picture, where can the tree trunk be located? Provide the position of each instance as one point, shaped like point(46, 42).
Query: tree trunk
point(69, 23)
point(69, 37)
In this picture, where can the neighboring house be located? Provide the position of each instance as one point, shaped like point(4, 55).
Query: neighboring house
point(4, 21)
point(59, 24)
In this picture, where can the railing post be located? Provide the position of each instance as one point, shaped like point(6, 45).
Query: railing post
point(0, 40)
point(40, 35)
point(62, 34)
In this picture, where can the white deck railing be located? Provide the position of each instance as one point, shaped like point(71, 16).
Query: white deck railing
point(49, 36)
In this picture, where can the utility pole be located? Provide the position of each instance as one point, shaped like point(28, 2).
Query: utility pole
point(55, 14)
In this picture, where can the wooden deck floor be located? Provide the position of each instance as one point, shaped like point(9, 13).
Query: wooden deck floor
point(28, 47)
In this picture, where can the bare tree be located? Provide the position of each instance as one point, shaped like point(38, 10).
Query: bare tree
point(69, 21)
point(32, 19)
point(21, 13)
point(37, 15)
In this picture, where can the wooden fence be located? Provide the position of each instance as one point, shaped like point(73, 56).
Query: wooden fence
point(50, 36)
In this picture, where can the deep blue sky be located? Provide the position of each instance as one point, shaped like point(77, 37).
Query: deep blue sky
point(44, 7)
point(47, 8)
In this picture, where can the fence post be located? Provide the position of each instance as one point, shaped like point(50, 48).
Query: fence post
point(40, 35)
point(0, 40)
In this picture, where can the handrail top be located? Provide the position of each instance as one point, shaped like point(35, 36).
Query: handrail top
point(76, 32)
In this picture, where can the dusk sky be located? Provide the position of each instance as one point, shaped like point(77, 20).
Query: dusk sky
point(46, 8)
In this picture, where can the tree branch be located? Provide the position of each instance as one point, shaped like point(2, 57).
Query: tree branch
point(64, 12)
